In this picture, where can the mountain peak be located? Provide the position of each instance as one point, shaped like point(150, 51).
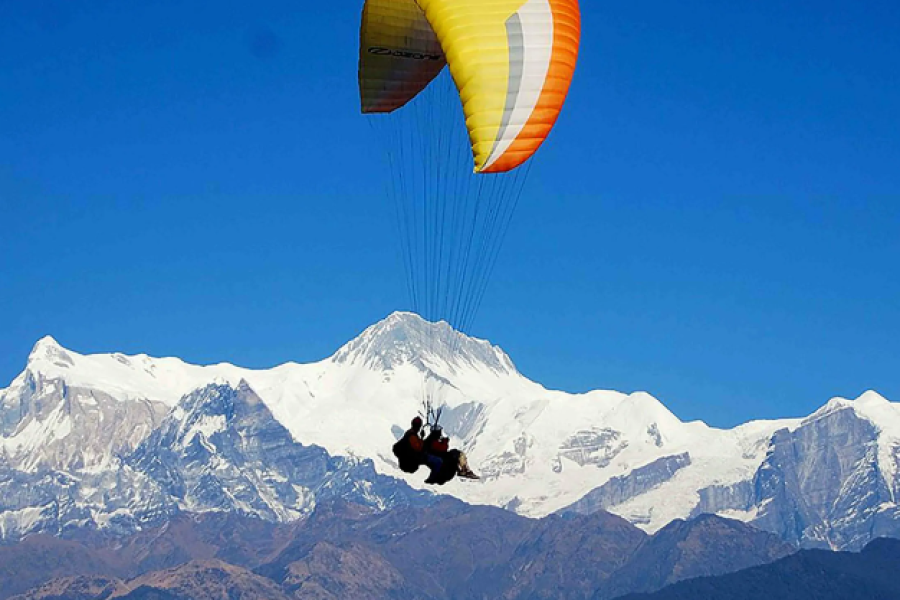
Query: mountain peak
point(48, 349)
point(404, 338)
point(45, 343)
point(871, 398)
point(869, 404)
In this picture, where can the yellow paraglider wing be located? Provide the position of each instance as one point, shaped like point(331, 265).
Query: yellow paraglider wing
point(399, 54)
point(513, 62)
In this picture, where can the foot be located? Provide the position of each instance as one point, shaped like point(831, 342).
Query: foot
point(468, 474)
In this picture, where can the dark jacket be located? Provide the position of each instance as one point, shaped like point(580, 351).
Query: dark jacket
point(410, 451)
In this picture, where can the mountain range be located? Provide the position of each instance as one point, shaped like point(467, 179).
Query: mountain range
point(343, 550)
point(120, 444)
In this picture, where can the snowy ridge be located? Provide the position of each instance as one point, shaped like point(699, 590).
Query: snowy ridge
point(125, 377)
point(539, 450)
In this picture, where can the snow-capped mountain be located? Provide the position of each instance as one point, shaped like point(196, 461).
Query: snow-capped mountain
point(218, 449)
point(829, 479)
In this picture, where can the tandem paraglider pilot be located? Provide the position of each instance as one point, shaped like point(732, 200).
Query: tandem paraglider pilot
point(414, 450)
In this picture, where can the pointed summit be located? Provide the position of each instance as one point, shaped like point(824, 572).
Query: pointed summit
point(48, 349)
point(869, 404)
point(871, 398)
point(212, 409)
point(407, 338)
point(48, 341)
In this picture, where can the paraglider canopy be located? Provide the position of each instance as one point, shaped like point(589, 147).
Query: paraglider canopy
point(510, 66)
point(512, 62)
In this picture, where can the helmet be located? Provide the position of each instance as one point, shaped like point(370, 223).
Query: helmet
point(417, 423)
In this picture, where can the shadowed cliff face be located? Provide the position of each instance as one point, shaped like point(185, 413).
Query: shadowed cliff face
point(826, 484)
point(821, 484)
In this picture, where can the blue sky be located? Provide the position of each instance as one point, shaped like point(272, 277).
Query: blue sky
point(714, 220)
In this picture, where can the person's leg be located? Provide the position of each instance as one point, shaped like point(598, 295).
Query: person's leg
point(463, 461)
point(463, 469)
point(434, 463)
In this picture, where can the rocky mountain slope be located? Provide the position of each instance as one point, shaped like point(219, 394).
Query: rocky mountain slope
point(807, 575)
point(341, 550)
point(699, 547)
point(120, 441)
point(219, 449)
point(196, 580)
